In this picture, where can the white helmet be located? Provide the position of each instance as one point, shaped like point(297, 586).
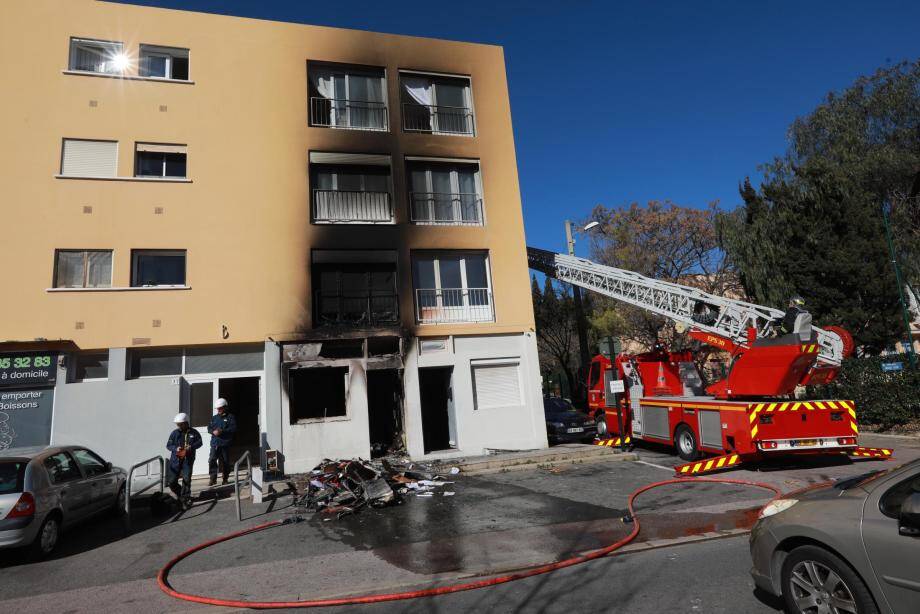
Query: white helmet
point(220, 403)
point(180, 418)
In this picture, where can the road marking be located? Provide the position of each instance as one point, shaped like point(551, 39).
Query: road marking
point(654, 465)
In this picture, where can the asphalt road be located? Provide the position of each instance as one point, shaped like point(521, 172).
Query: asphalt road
point(493, 523)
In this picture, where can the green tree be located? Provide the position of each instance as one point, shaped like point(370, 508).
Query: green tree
point(814, 226)
point(557, 335)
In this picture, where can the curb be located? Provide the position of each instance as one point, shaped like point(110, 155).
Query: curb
point(524, 466)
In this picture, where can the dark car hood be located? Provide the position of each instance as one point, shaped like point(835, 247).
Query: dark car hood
point(566, 416)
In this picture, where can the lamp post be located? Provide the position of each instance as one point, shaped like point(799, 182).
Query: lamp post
point(911, 358)
point(580, 323)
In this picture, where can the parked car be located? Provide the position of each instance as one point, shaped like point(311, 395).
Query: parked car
point(565, 423)
point(852, 547)
point(44, 490)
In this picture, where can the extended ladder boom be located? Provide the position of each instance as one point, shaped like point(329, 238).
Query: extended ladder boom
point(727, 317)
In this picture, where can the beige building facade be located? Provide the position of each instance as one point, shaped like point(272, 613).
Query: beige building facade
point(321, 225)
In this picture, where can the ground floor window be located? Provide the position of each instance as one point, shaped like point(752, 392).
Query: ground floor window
point(317, 393)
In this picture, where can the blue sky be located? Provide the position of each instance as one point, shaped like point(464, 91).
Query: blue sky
point(615, 102)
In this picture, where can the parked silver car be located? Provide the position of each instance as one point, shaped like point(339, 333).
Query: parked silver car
point(44, 490)
point(852, 548)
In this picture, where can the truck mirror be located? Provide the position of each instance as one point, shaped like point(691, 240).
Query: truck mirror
point(909, 519)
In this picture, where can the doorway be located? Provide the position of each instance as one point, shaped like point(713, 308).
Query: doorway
point(242, 394)
point(438, 423)
point(384, 408)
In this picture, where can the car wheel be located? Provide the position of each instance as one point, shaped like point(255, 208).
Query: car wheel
point(118, 509)
point(815, 581)
point(47, 539)
point(685, 442)
point(601, 422)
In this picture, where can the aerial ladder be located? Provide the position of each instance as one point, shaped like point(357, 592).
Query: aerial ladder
point(749, 414)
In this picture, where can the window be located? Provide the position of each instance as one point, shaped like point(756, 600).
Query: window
point(153, 160)
point(92, 465)
point(62, 468)
point(445, 193)
point(347, 97)
point(105, 57)
point(891, 502)
point(90, 366)
point(497, 384)
point(224, 359)
point(75, 268)
point(12, 476)
point(157, 267)
point(435, 104)
point(356, 294)
point(350, 188)
point(317, 393)
point(163, 62)
point(452, 287)
point(151, 362)
point(85, 158)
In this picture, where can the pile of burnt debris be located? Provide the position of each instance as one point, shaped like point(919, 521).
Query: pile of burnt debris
point(342, 487)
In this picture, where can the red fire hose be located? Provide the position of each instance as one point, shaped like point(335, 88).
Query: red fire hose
point(163, 582)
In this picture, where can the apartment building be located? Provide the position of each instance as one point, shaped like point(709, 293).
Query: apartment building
point(322, 226)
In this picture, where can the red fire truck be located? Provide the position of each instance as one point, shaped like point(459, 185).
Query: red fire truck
point(752, 413)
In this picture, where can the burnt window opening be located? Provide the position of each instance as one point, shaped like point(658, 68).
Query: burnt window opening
point(342, 348)
point(355, 294)
point(382, 346)
point(317, 393)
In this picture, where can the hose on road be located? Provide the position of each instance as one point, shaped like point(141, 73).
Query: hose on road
point(163, 576)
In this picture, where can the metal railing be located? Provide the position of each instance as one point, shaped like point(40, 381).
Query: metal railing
point(128, 482)
point(445, 209)
point(332, 206)
point(355, 309)
point(444, 305)
point(437, 119)
point(352, 114)
point(236, 481)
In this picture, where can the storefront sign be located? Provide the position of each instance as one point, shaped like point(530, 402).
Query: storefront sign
point(28, 369)
point(888, 367)
point(25, 417)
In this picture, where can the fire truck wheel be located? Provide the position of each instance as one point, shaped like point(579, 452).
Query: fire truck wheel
point(814, 580)
point(685, 442)
point(601, 422)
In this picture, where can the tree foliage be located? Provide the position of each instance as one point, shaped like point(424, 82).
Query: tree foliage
point(663, 241)
point(814, 226)
point(557, 333)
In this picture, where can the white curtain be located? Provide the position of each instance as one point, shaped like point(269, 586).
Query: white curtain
point(99, 269)
point(419, 90)
point(324, 86)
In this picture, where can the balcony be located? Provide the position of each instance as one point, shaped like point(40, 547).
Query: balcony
point(355, 308)
point(352, 206)
point(437, 119)
point(348, 114)
point(453, 305)
point(445, 209)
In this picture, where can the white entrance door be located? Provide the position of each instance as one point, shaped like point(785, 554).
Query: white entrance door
point(199, 404)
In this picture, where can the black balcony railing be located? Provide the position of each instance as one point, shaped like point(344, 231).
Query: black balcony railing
point(438, 208)
point(437, 119)
point(355, 308)
point(353, 114)
point(338, 206)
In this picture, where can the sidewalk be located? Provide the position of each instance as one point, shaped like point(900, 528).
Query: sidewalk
point(563, 454)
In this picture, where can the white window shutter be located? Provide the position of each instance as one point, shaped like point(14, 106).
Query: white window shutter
point(497, 385)
point(89, 158)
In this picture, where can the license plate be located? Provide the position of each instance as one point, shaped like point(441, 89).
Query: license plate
point(577, 429)
point(804, 442)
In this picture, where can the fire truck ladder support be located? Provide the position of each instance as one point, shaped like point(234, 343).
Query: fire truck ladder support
point(727, 317)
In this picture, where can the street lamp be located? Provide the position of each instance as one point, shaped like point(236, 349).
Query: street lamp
point(580, 323)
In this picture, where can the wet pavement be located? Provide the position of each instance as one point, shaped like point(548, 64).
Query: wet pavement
point(492, 523)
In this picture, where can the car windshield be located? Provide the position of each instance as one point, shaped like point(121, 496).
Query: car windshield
point(12, 474)
point(555, 405)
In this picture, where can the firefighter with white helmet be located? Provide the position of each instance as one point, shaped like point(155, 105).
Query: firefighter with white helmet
point(182, 443)
point(222, 428)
